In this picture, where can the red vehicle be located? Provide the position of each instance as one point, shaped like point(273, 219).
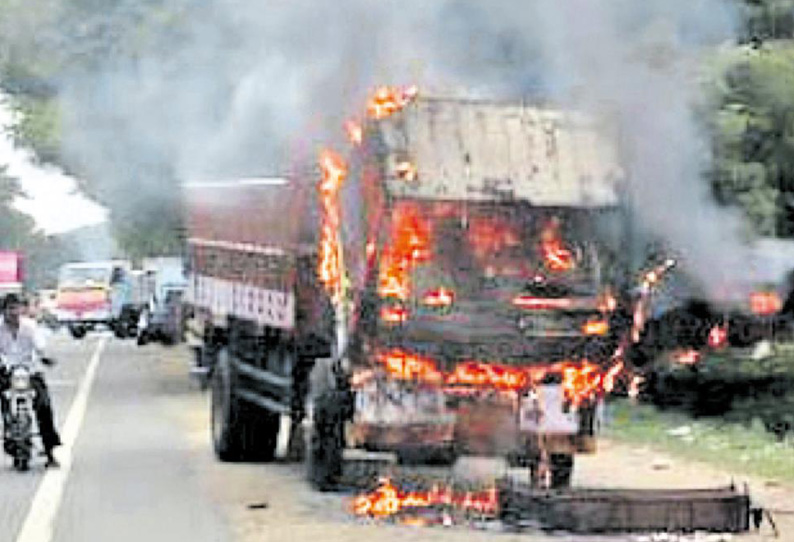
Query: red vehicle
point(448, 292)
point(11, 272)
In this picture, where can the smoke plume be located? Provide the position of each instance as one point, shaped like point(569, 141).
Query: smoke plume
point(224, 88)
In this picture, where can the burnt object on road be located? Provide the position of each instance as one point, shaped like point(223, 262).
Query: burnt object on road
point(626, 510)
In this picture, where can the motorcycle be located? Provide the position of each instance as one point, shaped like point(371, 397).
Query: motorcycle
point(19, 414)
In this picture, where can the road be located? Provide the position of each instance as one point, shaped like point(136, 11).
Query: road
point(138, 466)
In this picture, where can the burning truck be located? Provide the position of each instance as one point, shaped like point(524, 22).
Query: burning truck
point(449, 292)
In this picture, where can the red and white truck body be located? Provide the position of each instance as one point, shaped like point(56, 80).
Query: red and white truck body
point(446, 290)
point(11, 272)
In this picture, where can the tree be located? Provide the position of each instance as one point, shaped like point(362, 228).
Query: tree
point(43, 255)
point(752, 126)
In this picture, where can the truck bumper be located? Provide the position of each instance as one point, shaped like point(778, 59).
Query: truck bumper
point(488, 426)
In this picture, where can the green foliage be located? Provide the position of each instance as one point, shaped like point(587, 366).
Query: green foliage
point(38, 127)
point(43, 255)
point(752, 128)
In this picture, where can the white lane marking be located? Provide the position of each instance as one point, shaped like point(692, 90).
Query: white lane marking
point(40, 521)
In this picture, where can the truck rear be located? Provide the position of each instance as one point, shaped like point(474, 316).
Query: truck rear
point(455, 283)
point(161, 319)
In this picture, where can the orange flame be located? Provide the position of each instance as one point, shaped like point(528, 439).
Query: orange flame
point(581, 381)
point(487, 375)
point(404, 366)
point(611, 375)
point(686, 357)
point(765, 303)
point(387, 500)
point(386, 101)
point(394, 314)
point(441, 297)
point(490, 235)
point(595, 327)
point(355, 133)
point(334, 172)
point(409, 245)
point(607, 302)
point(556, 256)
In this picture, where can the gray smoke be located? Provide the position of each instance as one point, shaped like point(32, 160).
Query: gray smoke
point(238, 87)
point(643, 62)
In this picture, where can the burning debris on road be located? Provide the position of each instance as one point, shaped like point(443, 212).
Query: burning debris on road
point(679, 514)
point(437, 505)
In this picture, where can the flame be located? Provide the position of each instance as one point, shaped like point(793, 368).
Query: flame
point(488, 375)
point(607, 302)
point(611, 375)
point(555, 255)
point(686, 357)
point(649, 282)
point(595, 327)
point(581, 380)
point(542, 303)
point(718, 336)
point(409, 245)
point(394, 314)
point(386, 101)
point(441, 297)
point(334, 172)
point(354, 131)
point(488, 236)
point(387, 500)
point(404, 366)
point(765, 303)
point(407, 171)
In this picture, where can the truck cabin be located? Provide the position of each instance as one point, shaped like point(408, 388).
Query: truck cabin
point(90, 275)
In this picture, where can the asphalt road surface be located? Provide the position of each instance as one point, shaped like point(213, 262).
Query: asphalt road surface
point(137, 466)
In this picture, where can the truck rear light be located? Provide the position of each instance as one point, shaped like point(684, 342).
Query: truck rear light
point(595, 327)
point(542, 303)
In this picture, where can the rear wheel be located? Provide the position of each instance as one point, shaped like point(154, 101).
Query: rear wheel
point(120, 330)
point(77, 332)
point(240, 432)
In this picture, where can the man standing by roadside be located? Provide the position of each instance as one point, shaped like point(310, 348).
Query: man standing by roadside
point(21, 343)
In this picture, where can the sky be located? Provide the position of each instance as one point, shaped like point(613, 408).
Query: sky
point(51, 199)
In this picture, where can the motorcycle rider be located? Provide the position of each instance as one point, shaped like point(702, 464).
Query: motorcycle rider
point(22, 343)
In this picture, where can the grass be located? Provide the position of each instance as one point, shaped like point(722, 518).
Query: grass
point(747, 448)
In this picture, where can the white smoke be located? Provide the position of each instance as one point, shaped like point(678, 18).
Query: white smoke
point(238, 87)
point(642, 61)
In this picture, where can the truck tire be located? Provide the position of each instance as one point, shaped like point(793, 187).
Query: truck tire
point(326, 433)
point(240, 432)
point(120, 329)
point(77, 332)
point(561, 470)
